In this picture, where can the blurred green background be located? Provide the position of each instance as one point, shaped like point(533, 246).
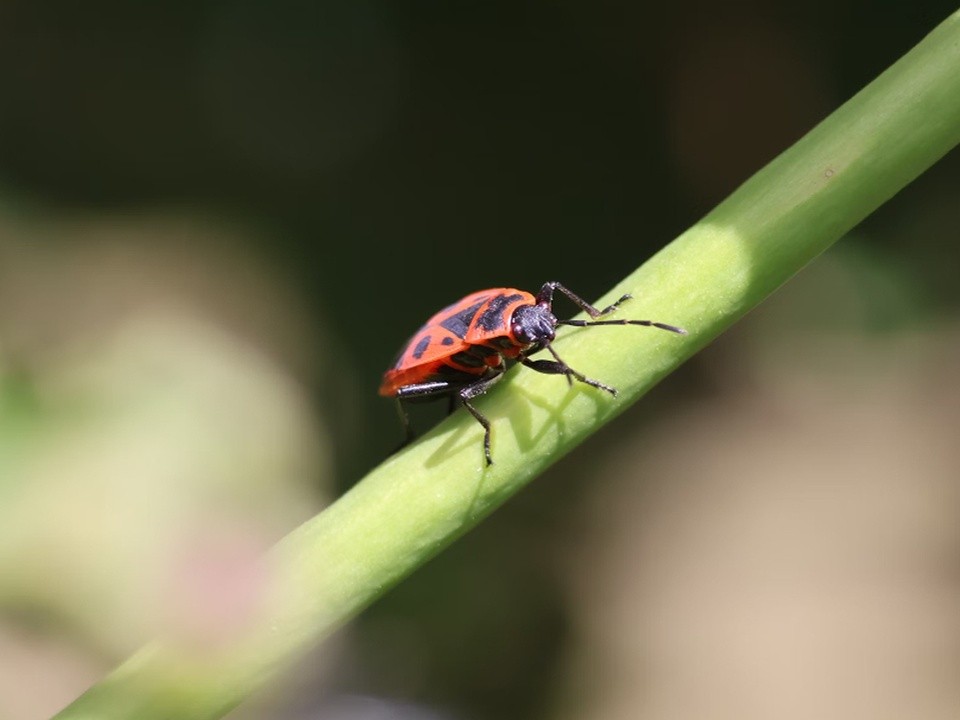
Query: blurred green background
point(220, 220)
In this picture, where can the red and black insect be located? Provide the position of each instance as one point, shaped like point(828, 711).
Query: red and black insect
point(465, 348)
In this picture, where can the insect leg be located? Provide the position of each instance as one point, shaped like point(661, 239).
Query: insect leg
point(545, 297)
point(427, 389)
point(465, 393)
point(424, 390)
point(408, 432)
point(475, 390)
point(559, 367)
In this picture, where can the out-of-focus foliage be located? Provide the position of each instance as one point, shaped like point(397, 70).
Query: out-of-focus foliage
point(149, 452)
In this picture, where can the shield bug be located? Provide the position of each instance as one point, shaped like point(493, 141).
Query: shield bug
point(464, 349)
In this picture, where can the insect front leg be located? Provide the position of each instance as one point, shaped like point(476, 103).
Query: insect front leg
point(559, 367)
point(545, 297)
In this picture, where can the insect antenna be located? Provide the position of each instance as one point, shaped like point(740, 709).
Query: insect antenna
point(645, 323)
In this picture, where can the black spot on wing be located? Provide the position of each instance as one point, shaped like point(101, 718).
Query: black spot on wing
point(421, 347)
point(459, 324)
point(492, 317)
point(447, 340)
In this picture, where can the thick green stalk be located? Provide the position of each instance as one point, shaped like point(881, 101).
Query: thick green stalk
point(417, 502)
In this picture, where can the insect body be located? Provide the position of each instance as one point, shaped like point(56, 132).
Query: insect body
point(465, 348)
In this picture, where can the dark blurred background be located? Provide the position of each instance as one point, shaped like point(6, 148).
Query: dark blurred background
point(220, 220)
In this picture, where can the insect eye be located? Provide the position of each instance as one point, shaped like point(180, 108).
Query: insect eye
point(520, 333)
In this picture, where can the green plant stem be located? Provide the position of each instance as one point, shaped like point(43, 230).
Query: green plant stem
point(417, 502)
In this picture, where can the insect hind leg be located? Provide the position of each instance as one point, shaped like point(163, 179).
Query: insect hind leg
point(419, 391)
point(408, 433)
